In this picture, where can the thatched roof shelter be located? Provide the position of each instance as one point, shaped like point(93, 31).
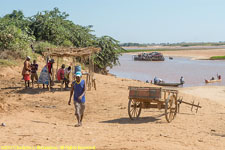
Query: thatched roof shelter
point(73, 53)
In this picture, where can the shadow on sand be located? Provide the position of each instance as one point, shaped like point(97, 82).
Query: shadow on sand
point(11, 88)
point(40, 90)
point(129, 121)
point(216, 134)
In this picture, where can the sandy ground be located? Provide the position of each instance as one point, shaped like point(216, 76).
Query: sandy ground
point(194, 54)
point(37, 117)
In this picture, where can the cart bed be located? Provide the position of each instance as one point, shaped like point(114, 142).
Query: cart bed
point(150, 93)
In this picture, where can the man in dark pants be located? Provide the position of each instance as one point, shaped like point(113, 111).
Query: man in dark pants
point(78, 89)
point(34, 68)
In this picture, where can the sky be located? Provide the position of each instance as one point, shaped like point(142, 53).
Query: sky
point(140, 21)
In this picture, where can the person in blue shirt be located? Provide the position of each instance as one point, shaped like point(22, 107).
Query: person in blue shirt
point(78, 92)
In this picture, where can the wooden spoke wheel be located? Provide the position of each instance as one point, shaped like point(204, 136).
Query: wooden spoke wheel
point(170, 108)
point(134, 109)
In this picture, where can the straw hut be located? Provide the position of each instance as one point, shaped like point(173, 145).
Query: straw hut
point(71, 52)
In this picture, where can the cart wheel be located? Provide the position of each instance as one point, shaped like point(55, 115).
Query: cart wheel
point(134, 109)
point(170, 108)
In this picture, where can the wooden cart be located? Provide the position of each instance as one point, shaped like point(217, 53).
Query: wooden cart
point(152, 97)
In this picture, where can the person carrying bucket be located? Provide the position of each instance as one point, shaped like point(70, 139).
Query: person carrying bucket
point(78, 92)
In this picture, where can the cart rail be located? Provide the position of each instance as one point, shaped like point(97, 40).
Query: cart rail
point(150, 93)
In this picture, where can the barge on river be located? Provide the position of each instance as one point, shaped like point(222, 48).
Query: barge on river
point(154, 56)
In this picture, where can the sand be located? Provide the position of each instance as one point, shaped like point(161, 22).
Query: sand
point(194, 54)
point(37, 117)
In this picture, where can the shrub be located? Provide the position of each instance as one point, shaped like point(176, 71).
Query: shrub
point(41, 47)
point(67, 43)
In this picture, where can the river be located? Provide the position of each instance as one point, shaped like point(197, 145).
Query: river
point(193, 71)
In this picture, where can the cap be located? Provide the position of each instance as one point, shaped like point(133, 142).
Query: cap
point(28, 57)
point(79, 74)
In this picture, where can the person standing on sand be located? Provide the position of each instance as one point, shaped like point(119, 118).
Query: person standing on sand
point(50, 66)
point(78, 89)
point(60, 73)
point(26, 72)
point(34, 68)
point(67, 76)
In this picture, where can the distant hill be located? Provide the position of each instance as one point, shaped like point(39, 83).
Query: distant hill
point(182, 44)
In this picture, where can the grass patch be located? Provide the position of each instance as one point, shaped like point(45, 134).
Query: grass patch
point(6, 62)
point(217, 58)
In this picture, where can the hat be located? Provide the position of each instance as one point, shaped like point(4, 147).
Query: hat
point(28, 57)
point(79, 74)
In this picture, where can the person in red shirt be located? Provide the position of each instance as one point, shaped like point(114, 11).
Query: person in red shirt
point(60, 73)
point(50, 64)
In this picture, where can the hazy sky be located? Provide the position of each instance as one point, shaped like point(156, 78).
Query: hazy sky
point(143, 21)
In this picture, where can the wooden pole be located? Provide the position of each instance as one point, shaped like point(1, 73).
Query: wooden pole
point(57, 66)
point(93, 70)
point(49, 84)
point(91, 75)
point(73, 70)
point(53, 73)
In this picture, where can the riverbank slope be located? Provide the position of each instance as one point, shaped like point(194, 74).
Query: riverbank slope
point(36, 117)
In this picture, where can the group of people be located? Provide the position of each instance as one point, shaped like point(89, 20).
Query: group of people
point(29, 70)
point(78, 87)
point(63, 75)
point(218, 77)
point(159, 80)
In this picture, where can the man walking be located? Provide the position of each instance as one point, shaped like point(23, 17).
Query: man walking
point(78, 91)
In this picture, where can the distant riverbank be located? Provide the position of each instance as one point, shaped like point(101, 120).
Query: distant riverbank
point(193, 53)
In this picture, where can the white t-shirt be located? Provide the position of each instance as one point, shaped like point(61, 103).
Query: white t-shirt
point(67, 72)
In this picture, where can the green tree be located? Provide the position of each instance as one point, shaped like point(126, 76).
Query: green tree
point(50, 29)
point(109, 54)
point(53, 27)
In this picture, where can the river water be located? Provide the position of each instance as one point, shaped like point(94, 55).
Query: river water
point(194, 71)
